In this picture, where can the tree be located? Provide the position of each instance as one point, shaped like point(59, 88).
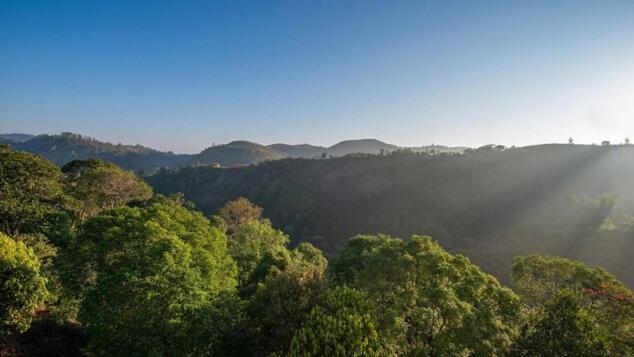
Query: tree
point(238, 212)
point(564, 329)
point(95, 185)
point(284, 298)
point(627, 141)
point(341, 325)
point(29, 190)
point(22, 288)
point(571, 141)
point(146, 276)
point(539, 279)
point(429, 302)
point(250, 242)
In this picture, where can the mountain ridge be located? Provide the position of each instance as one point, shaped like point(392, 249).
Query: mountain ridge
point(65, 147)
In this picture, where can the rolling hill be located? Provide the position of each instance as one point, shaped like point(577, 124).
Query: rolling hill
point(66, 147)
point(361, 146)
point(15, 137)
point(305, 151)
point(236, 153)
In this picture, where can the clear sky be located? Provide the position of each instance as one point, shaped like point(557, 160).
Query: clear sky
point(179, 75)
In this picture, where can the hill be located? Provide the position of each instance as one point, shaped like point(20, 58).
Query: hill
point(490, 204)
point(236, 153)
point(15, 137)
point(361, 146)
point(305, 151)
point(67, 147)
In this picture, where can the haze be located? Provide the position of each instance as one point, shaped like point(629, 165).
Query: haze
point(180, 76)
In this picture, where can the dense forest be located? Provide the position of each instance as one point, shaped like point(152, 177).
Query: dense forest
point(93, 262)
point(490, 204)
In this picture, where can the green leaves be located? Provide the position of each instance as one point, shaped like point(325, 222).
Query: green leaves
point(426, 300)
point(606, 304)
point(563, 329)
point(29, 191)
point(22, 288)
point(95, 185)
point(341, 325)
point(145, 275)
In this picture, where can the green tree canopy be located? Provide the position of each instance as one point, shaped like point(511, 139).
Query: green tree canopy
point(29, 190)
point(251, 242)
point(563, 329)
point(147, 275)
point(429, 302)
point(22, 288)
point(539, 279)
point(284, 298)
point(341, 325)
point(238, 212)
point(95, 185)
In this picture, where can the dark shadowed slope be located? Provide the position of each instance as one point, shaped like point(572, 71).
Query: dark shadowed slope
point(490, 205)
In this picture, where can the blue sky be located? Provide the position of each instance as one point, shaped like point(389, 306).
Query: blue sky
point(180, 75)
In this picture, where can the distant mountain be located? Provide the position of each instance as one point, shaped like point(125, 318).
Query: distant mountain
point(67, 147)
point(236, 153)
point(15, 137)
point(305, 151)
point(362, 146)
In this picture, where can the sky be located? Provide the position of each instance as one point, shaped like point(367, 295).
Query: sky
point(181, 75)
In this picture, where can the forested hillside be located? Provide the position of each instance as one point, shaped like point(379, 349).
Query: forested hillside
point(491, 203)
point(236, 153)
point(67, 147)
point(305, 151)
point(94, 263)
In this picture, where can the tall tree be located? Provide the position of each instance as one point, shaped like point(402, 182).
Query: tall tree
point(284, 298)
point(95, 185)
point(147, 275)
point(238, 212)
point(563, 329)
point(29, 190)
point(607, 301)
point(250, 242)
point(428, 301)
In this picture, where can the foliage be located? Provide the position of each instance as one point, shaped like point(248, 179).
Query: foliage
point(29, 189)
point(146, 274)
point(428, 301)
point(22, 288)
point(284, 299)
point(564, 329)
point(94, 186)
point(490, 205)
point(238, 212)
point(250, 242)
point(143, 274)
point(604, 299)
point(341, 325)
point(66, 147)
